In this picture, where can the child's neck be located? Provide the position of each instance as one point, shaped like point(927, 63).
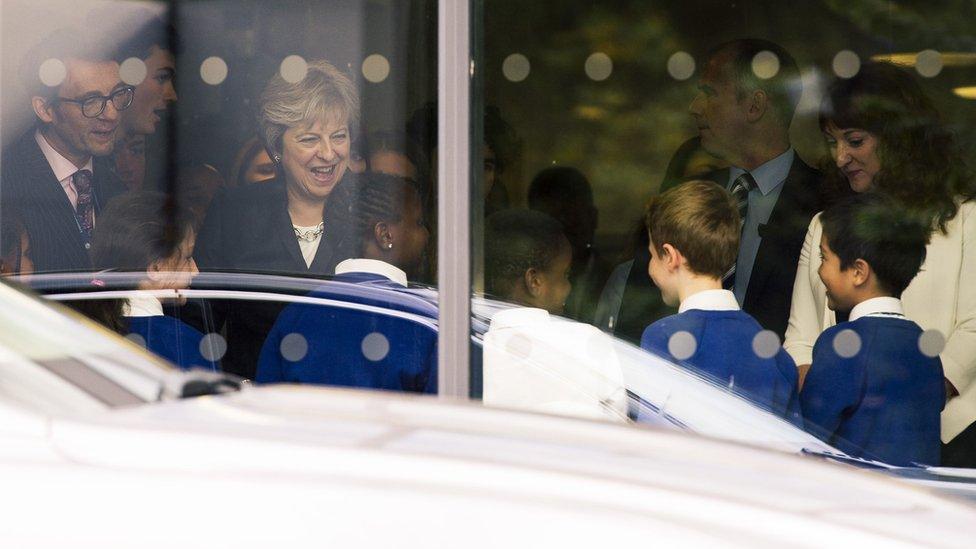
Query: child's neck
point(692, 284)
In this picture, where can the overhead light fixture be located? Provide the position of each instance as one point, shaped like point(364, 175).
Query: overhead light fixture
point(966, 92)
point(949, 59)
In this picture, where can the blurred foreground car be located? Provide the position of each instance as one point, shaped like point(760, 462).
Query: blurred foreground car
point(536, 363)
point(100, 450)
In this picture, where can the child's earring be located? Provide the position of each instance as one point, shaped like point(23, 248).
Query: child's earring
point(389, 245)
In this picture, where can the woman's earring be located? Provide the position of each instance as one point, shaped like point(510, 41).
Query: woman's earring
point(389, 245)
point(277, 159)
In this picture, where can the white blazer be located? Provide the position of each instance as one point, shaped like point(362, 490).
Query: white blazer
point(942, 297)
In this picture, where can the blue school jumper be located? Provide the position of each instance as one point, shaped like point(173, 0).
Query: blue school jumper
point(882, 403)
point(171, 339)
point(354, 346)
point(724, 350)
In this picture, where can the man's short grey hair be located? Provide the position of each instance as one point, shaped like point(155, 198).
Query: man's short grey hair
point(324, 92)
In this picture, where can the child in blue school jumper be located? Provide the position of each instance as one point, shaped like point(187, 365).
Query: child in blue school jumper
point(142, 231)
point(694, 238)
point(380, 218)
point(871, 391)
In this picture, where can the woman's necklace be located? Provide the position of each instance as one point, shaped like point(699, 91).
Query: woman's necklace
point(309, 234)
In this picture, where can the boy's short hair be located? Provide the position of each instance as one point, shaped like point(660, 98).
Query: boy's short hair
point(890, 239)
point(701, 220)
point(515, 241)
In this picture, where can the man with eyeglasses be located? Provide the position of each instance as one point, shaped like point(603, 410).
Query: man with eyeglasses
point(57, 173)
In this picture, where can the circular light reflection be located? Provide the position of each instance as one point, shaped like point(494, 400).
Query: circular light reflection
point(928, 63)
point(519, 346)
point(682, 345)
point(137, 339)
point(213, 70)
point(931, 343)
point(765, 344)
point(376, 68)
point(847, 343)
point(598, 67)
point(516, 67)
point(213, 347)
point(52, 72)
point(132, 71)
point(846, 64)
point(375, 347)
point(294, 347)
point(765, 64)
point(681, 65)
point(293, 69)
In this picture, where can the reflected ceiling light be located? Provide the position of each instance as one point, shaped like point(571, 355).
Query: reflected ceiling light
point(949, 59)
point(968, 92)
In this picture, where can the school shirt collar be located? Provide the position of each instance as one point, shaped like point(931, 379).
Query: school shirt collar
point(769, 175)
point(710, 300)
point(878, 306)
point(142, 304)
point(372, 266)
point(62, 167)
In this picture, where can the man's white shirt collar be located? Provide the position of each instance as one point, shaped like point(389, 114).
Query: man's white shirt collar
point(61, 166)
point(770, 174)
point(142, 304)
point(878, 306)
point(372, 266)
point(710, 300)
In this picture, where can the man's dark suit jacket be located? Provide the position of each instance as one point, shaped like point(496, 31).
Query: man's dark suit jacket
point(770, 290)
point(248, 229)
point(28, 182)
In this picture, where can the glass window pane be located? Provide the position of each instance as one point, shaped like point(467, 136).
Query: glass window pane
point(151, 142)
point(597, 117)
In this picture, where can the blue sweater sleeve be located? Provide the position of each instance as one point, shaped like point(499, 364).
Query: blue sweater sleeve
point(832, 389)
point(787, 367)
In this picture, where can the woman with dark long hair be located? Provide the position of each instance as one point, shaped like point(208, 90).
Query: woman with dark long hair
point(885, 136)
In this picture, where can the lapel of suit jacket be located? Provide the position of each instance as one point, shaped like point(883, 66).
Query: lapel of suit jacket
point(53, 209)
point(787, 222)
point(283, 228)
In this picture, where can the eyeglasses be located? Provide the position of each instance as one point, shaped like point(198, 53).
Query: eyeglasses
point(93, 107)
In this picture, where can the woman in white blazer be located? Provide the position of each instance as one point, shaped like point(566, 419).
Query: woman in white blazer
point(885, 136)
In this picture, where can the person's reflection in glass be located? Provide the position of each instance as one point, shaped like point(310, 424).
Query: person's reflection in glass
point(380, 218)
point(396, 154)
point(130, 161)
point(565, 194)
point(15, 256)
point(144, 232)
point(629, 300)
point(151, 40)
point(527, 259)
point(252, 164)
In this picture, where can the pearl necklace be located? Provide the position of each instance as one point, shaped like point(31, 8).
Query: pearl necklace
point(309, 235)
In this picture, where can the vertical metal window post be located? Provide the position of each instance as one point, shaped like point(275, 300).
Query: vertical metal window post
point(454, 68)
